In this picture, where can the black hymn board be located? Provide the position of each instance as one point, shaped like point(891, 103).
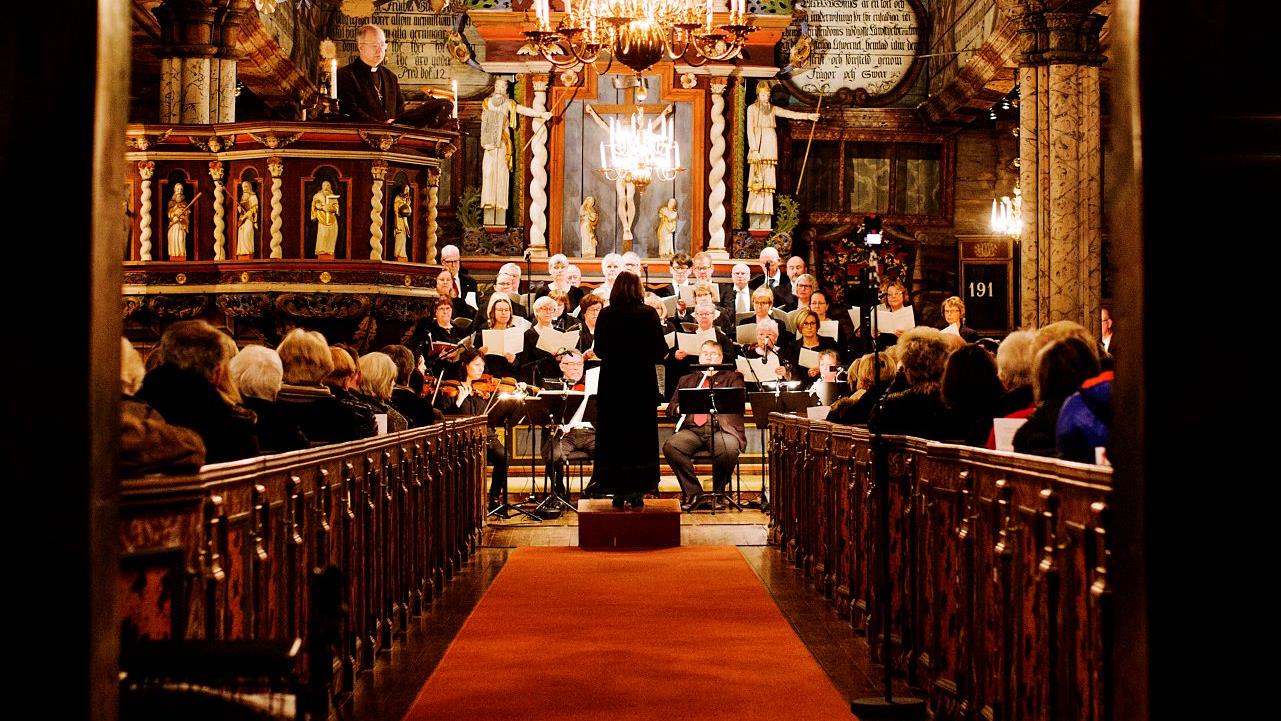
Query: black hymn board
point(987, 273)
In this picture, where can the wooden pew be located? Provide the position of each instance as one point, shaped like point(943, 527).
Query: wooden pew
point(998, 564)
point(230, 553)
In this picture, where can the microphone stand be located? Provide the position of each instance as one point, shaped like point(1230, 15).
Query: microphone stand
point(886, 706)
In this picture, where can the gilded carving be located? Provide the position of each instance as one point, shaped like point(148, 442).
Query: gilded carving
point(178, 307)
point(379, 141)
point(214, 143)
point(244, 305)
point(146, 142)
point(274, 141)
point(402, 308)
point(323, 305)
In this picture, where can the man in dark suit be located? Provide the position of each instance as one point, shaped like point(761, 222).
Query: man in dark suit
point(367, 90)
point(773, 277)
point(463, 282)
point(694, 432)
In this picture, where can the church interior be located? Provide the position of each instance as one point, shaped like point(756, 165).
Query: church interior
point(421, 175)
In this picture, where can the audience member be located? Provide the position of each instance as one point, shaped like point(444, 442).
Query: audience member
point(184, 388)
point(868, 386)
point(1085, 421)
point(416, 409)
point(919, 410)
point(377, 375)
point(148, 444)
point(1061, 368)
point(306, 399)
point(258, 374)
point(344, 382)
point(1014, 359)
point(972, 392)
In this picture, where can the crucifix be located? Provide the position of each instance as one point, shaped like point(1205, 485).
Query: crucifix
point(624, 190)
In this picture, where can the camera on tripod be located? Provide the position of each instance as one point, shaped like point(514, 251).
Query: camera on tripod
point(871, 232)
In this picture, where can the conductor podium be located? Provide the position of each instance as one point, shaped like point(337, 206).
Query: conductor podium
point(656, 525)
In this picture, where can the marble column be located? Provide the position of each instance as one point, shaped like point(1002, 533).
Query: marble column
point(198, 62)
point(716, 174)
point(146, 169)
point(1061, 168)
point(538, 172)
point(276, 167)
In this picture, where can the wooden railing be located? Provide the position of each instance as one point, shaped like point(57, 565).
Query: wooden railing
point(232, 553)
point(998, 564)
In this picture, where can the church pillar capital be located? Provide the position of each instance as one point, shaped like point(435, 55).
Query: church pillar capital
point(1051, 38)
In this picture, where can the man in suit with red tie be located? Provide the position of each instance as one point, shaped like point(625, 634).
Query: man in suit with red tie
point(694, 432)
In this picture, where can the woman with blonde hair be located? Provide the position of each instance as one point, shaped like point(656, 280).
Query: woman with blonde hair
point(868, 385)
point(307, 362)
point(377, 376)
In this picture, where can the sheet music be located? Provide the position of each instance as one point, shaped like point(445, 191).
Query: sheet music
point(817, 413)
point(669, 304)
point(765, 370)
point(577, 420)
point(502, 342)
point(692, 343)
point(953, 329)
point(857, 317)
point(471, 299)
point(890, 321)
point(746, 333)
point(1004, 429)
point(829, 328)
point(556, 342)
point(671, 339)
point(592, 380)
point(808, 358)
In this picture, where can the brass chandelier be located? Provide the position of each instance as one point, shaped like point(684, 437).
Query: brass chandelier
point(639, 33)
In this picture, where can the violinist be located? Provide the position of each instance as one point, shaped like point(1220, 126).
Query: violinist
point(470, 397)
point(580, 436)
point(499, 313)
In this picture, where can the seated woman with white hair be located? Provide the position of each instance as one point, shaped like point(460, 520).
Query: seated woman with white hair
point(147, 443)
point(258, 374)
point(305, 398)
point(536, 363)
point(377, 375)
point(766, 349)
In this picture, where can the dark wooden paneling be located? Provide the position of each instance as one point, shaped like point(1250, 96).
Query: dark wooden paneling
point(998, 568)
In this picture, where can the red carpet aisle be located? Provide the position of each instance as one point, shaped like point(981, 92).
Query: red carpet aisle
point(667, 634)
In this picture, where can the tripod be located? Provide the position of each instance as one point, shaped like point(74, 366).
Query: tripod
point(506, 413)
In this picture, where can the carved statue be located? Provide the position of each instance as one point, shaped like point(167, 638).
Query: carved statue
point(497, 120)
point(588, 219)
point(402, 208)
point(762, 154)
point(179, 214)
point(247, 219)
point(666, 229)
point(324, 210)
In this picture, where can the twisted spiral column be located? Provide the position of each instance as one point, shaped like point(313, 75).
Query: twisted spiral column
point(716, 175)
point(433, 188)
point(220, 211)
point(538, 173)
point(379, 171)
point(277, 168)
point(146, 169)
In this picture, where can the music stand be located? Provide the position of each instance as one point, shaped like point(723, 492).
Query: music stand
point(764, 403)
point(554, 409)
point(506, 413)
point(714, 402)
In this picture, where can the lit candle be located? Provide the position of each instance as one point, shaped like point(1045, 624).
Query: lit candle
point(453, 84)
point(709, 16)
point(569, 7)
point(992, 223)
point(333, 78)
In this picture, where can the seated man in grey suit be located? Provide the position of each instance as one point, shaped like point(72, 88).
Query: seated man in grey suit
point(694, 432)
